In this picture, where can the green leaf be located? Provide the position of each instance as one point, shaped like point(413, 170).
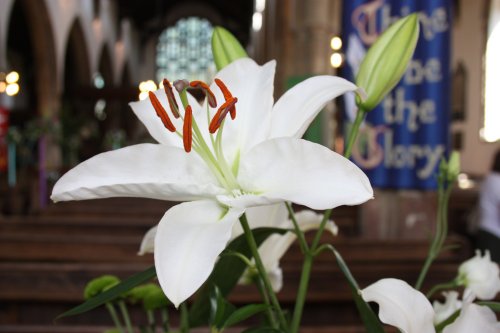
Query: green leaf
point(495, 306)
point(220, 308)
point(369, 318)
point(226, 274)
point(244, 313)
point(226, 48)
point(449, 320)
point(112, 293)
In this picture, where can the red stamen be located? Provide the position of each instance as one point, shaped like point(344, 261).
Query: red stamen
point(221, 114)
point(187, 130)
point(161, 113)
point(171, 98)
point(227, 96)
point(206, 90)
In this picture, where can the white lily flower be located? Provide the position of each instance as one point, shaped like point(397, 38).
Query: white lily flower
point(408, 309)
point(401, 306)
point(448, 308)
point(275, 246)
point(254, 159)
point(480, 276)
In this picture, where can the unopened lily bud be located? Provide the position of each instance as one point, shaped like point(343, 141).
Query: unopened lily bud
point(386, 61)
point(155, 299)
point(225, 48)
point(453, 166)
point(100, 284)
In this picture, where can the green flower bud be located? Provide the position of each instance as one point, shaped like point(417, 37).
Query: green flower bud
point(155, 299)
point(225, 48)
point(386, 61)
point(139, 293)
point(453, 166)
point(100, 284)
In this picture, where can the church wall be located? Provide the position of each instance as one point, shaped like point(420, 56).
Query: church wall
point(469, 42)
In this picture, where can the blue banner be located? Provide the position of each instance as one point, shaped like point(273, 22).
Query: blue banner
point(403, 139)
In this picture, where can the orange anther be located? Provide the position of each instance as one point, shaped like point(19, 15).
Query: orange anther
point(221, 114)
point(187, 130)
point(227, 96)
point(206, 90)
point(171, 98)
point(161, 112)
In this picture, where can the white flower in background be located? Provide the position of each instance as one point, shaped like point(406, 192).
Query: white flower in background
point(474, 318)
point(448, 308)
point(401, 306)
point(256, 158)
point(480, 276)
point(408, 309)
point(148, 242)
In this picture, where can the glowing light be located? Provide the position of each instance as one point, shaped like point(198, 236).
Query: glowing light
point(257, 21)
point(145, 87)
point(12, 77)
point(260, 5)
point(3, 86)
point(336, 60)
point(336, 43)
point(12, 89)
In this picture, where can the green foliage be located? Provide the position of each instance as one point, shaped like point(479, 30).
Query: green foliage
point(112, 293)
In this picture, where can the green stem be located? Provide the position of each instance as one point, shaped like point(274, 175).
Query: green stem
point(304, 247)
point(184, 319)
point(444, 192)
point(353, 134)
point(114, 316)
point(448, 285)
point(164, 318)
point(304, 277)
point(309, 257)
point(126, 317)
point(269, 312)
point(262, 271)
point(151, 321)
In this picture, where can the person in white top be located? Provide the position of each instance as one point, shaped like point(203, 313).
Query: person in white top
point(488, 236)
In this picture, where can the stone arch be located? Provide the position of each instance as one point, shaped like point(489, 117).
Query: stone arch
point(76, 116)
point(76, 61)
point(31, 46)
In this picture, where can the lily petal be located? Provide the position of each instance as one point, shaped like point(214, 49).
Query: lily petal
point(188, 241)
point(271, 216)
point(474, 318)
point(148, 242)
point(302, 172)
point(296, 109)
point(253, 86)
point(147, 115)
point(401, 306)
point(144, 170)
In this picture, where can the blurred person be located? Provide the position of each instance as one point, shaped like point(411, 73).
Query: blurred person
point(488, 235)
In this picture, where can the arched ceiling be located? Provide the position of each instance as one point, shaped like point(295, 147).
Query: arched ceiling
point(151, 19)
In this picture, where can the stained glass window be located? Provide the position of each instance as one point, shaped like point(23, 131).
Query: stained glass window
point(184, 51)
